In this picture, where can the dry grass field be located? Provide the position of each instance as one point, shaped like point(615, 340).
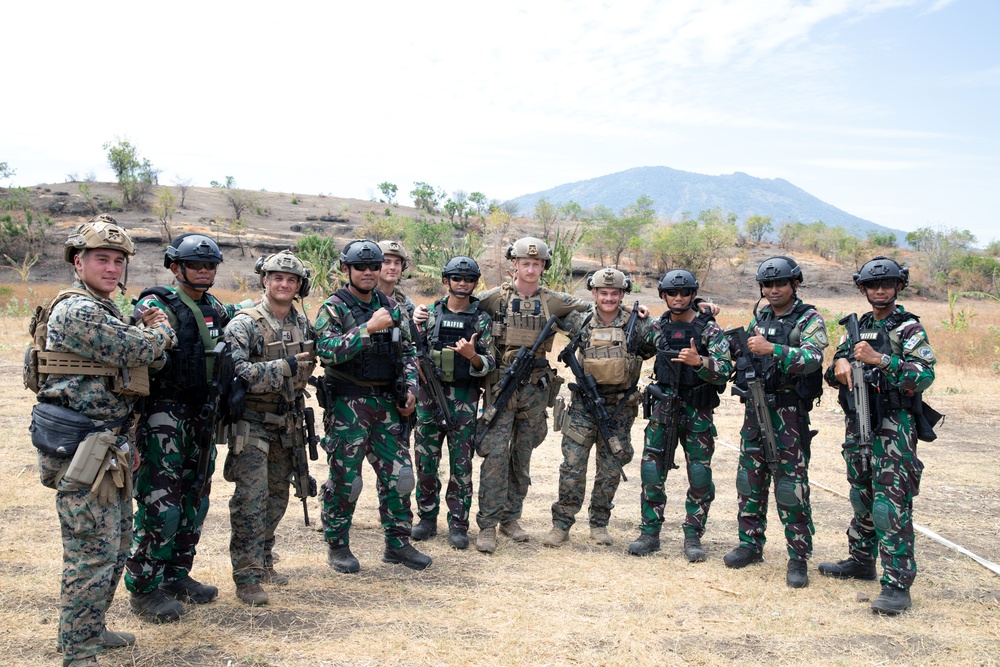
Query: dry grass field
point(580, 604)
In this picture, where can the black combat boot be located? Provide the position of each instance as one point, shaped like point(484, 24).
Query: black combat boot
point(155, 606)
point(645, 545)
point(891, 601)
point(341, 559)
point(692, 549)
point(742, 556)
point(458, 538)
point(424, 530)
point(798, 574)
point(190, 591)
point(406, 555)
point(849, 568)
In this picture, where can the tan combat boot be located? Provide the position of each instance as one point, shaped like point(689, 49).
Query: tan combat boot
point(556, 537)
point(487, 540)
point(252, 594)
point(600, 535)
point(513, 530)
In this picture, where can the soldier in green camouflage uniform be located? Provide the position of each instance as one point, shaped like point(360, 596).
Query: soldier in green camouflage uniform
point(691, 350)
point(787, 338)
point(96, 528)
point(519, 309)
point(273, 349)
point(370, 383)
point(899, 361)
point(173, 482)
point(458, 336)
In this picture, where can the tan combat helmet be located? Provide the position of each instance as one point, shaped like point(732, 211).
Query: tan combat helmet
point(101, 231)
point(529, 248)
point(395, 248)
point(284, 262)
point(609, 277)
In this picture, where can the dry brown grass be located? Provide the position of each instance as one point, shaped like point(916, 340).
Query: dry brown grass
point(581, 604)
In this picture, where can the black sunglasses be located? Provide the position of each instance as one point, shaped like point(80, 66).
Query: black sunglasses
point(768, 284)
point(687, 291)
point(374, 266)
point(200, 266)
point(464, 279)
point(884, 283)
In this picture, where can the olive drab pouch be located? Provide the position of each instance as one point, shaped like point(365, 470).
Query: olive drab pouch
point(58, 431)
point(605, 357)
point(89, 458)
point(445, 360)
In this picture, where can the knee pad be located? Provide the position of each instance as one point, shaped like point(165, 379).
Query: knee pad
point(699, 476)
point(169, 521)
point(858, 503)
point(784, 493)
point(405, 481)
point(743, 482)
point(882, 515)
point(356, 487)
point(650, 472)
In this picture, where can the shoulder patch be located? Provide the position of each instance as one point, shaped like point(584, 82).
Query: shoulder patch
point(925, 353)
point(913, 342)
point(321, 322)
point(817, 329)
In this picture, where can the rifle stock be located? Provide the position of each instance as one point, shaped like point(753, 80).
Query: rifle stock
point(858, 397)
point(754, 395)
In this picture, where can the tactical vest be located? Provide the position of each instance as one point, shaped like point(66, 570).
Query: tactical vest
point(374, 365)
point(39, 363)
point(674, 337)
point(449, 328)
point(606, 358)
point(882, 392)
point(520, 320)
point(784, 331)
point(186, 375)
point(278, 340)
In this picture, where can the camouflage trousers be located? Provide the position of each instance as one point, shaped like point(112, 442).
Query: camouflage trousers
point(95, 542)
point(579, 425)
point(882, 497)
point(504, 475)
point(259, 501)
point(366, 427)
point(428, 448)
point(170, 508)
point(791, 483)
point(696, 437)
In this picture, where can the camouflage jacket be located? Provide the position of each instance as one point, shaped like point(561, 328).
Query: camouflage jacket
point(405, 302)
point(262, 377)
point(573, 322)
point(807, 357)
point(715, 368)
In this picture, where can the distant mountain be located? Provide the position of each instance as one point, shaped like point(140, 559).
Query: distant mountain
point(675, 192)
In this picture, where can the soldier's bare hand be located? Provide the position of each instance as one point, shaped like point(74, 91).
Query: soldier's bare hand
point(842, 371)
point(153, 316)
point(689, 355)
point(381, 319)
point(864, 352)
point(420, 315)
point(466, 348)
point(643, 312)
point(758, 344)
point(709, 307)
point(411, 404)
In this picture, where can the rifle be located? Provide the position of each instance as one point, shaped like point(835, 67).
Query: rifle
point(857, 399)
point(303, 483)
point(514, 378)
point(400, 389)
point(593, 402)
point(223, 378)
point(631, 346)
point(672, 403)
point(430, 378)
point(754, 395)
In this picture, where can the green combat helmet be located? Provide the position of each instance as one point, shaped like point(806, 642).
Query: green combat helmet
point(529, 248)
point(284, 262)
point(609, 277)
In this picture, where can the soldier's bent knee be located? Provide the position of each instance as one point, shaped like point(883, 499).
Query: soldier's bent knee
point(356, 487)
point(784, 492)
point(699, 475)
point(858, 503)
point(882, 515)
point(405, 481)
point(743, 482)
point(650, 472)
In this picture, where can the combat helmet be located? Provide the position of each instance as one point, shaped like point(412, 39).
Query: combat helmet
point(778, 268)
point(882, 267)
point(677, 279)
point(361, 251)
point(609, 277)
point(395, 248)
point(284, 262)
point(529, 248)
point(192, 247)
point(461, 266)
point(101, 231)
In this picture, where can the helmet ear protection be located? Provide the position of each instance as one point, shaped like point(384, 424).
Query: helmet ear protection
point(284, 262)
point(609, 277)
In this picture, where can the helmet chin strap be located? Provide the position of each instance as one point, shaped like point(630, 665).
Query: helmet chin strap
point(351, 280)
point(874, 304)
point(459, 295)
point(184, 280)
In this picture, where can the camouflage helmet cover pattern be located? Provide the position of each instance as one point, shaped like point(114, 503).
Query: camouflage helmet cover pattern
point(609, 277)
point(284, 262)
point(101, 231)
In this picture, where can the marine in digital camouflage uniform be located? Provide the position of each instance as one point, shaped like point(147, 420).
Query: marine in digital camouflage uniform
point(273, 349)
point(689, 343)
point(458, 336)
point(395, 262)
point(788, 337)
point(519, 309)
point(95, 535)
point(354, 331)
point(173, 482)
point(899, 364)
point(603, 354)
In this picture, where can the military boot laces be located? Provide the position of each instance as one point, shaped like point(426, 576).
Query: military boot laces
point(692, 549)
point(252, 594)
point(424, 530)
point(513, 530)
point(849, 568)
point(190, 591)
point(798, 573)
point(406, 555)
point(600, 535)
point(458, 538)
point(341, 559)
point(891, 601)
point(645, 545)
point(487, 540)
point(555, 537)
point(155, 606)
point(742, 556)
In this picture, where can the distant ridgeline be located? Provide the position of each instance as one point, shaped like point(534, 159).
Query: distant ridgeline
point(677, 192)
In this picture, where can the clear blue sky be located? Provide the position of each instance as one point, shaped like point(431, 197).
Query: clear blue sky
point(884, 108)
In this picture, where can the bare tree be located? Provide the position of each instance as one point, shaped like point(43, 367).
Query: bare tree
point(183, 185)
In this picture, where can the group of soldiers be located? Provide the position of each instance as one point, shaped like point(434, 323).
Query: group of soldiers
point(196, 372)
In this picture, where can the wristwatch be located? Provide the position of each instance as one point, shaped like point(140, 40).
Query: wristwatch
point(884, 364)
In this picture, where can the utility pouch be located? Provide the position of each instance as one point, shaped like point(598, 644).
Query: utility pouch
point(554, 384)
point(89, 457)
point(58, 431)
point(133, 382)
point(558, 414)
point(606, 370)
point(445, 360)
point(238, 433)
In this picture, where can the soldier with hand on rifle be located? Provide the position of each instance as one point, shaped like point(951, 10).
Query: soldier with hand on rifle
point(604, 403)
point(897, 363)
point(176, 435)
point(364, 344)
point(274, 351)
point(454, 357)
point(691, 369)
point(784, 350)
